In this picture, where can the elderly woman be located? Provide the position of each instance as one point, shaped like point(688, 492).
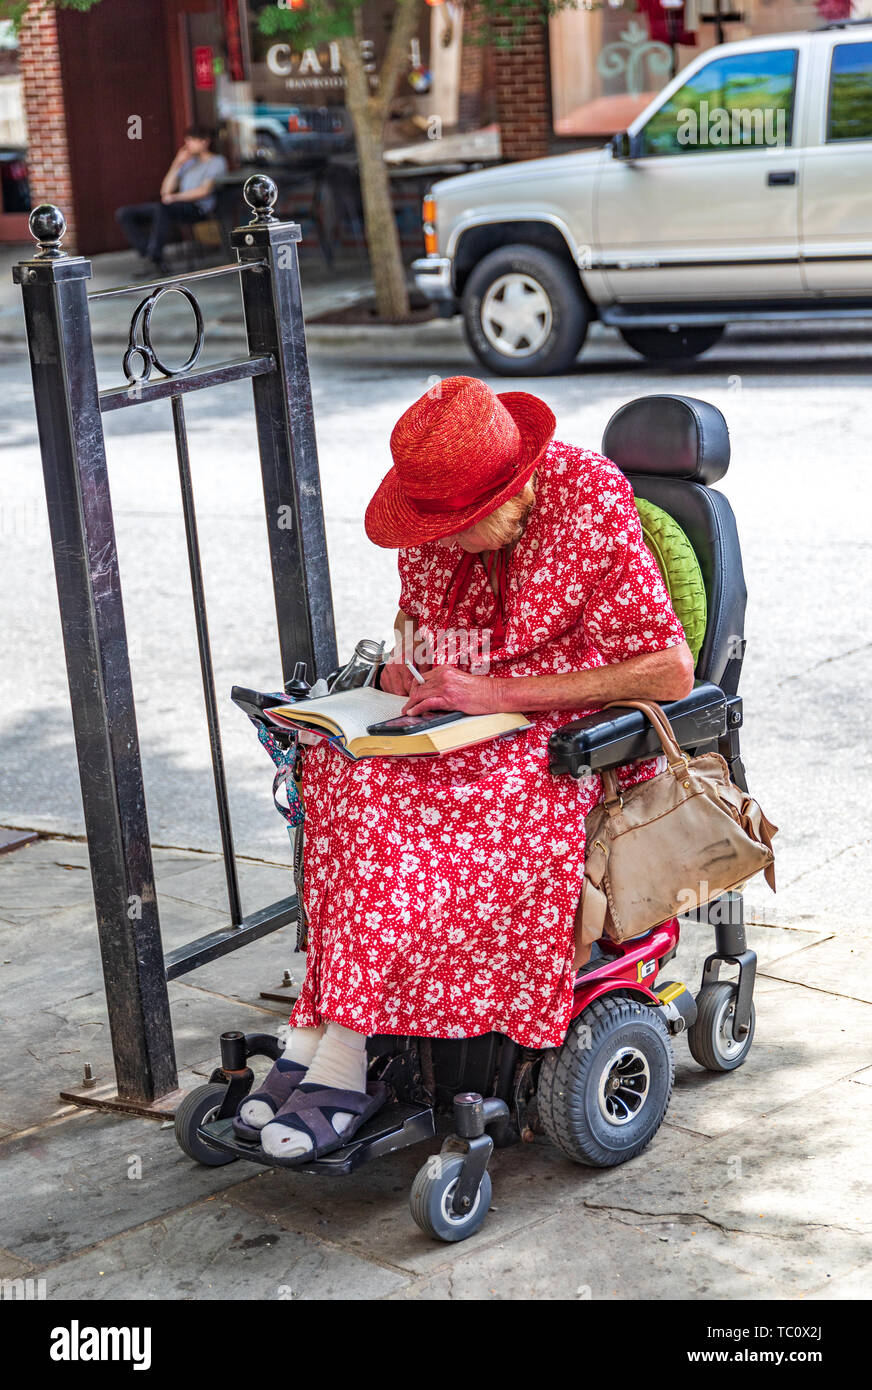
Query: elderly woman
point(441, 892)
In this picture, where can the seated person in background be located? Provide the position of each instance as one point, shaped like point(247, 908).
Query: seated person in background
point(186, 195)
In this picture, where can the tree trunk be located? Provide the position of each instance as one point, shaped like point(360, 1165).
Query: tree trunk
point(382, 236)
point(368, 112)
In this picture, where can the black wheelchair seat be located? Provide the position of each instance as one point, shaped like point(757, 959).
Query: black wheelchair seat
point(672, 449)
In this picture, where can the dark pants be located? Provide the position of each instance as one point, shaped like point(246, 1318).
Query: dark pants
point(147, 226)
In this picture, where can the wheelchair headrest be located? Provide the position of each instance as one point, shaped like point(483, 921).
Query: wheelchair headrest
point(673, 436)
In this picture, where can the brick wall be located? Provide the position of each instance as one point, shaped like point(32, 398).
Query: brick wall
point(523, 91)
point(477, 97)
point(471, 71)
point(48, 153)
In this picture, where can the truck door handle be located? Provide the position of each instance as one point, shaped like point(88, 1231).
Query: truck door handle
point(781, 178)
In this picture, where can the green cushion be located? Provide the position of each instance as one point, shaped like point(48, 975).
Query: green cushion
point(677, 562)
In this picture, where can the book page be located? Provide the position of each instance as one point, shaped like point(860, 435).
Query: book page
point(351, 710)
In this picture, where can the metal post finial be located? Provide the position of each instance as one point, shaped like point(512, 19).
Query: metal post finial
point(47, 226)
point(261, 195)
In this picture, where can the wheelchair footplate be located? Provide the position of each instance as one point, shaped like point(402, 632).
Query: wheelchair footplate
point(396, 1126)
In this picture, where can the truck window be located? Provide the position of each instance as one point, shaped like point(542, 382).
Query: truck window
point(740, 101)
point(850, 106)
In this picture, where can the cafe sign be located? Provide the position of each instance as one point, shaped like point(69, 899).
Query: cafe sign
point(321, 67)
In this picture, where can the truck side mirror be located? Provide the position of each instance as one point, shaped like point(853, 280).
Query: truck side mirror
point(625, 145)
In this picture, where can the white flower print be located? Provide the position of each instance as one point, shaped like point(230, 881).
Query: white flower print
point(441, 892)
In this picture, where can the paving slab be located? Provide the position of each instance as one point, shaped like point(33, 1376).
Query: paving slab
point(857, 1285)
point(769, 941)
point(583, 1255)
point(836, 892)
point(838, 967)
point(71, 1185)
point(58, 1011)
point(13, 1268)
point(368, 1212)
point(41, 879)
point(265, 962)
point(204, 883)
point(803, 1040)
point(213, 1250)
point(52, 875)
point(797, 1177)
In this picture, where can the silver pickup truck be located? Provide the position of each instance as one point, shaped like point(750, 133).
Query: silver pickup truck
point(743, 191)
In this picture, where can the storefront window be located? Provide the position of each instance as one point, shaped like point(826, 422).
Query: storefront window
point(13, 131)
point(609, 60)
point(283, 103)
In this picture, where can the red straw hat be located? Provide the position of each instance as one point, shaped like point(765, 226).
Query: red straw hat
point(459, 452)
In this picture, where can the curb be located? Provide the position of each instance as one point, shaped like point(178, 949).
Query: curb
point(435, 331)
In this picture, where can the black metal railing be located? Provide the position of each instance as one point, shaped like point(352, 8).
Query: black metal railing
point(69, 409)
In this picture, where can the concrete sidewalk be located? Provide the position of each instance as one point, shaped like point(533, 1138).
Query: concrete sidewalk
point(325, 288)
point(754, 1187)
point(756, 1184)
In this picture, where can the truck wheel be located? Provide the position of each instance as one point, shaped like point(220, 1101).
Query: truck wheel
point(524, 312)
point(661, 344)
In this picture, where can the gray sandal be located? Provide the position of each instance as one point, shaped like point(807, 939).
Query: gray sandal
point(281, 1081)
point(310, 1111)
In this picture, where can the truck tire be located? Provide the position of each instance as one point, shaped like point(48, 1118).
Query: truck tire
point(662, 345)
point(524, 312)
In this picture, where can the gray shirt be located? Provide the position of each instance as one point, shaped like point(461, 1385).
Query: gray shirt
point(195, 172)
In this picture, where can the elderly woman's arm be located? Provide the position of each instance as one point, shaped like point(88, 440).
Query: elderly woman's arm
point(661, 676)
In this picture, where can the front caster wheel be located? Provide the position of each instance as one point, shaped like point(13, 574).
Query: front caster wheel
point(604, 1092)
point(711, 1038)
point(432, 1192)
point(198, 1106)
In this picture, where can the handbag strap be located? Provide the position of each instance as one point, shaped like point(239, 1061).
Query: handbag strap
point(676, 760)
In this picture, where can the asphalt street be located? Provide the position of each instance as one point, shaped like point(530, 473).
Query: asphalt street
point(796, 402)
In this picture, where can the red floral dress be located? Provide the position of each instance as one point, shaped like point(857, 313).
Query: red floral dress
point(441, 892)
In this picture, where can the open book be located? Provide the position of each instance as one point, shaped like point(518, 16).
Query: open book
point(348, 715)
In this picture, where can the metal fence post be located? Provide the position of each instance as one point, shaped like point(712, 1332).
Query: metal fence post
point(54, 288)
point(286, 435)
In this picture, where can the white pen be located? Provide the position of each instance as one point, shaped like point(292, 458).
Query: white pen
point(416, 673)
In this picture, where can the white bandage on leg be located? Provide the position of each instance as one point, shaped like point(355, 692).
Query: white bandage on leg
point(302, 1044)
point(300, 1047)
point(339, 1063)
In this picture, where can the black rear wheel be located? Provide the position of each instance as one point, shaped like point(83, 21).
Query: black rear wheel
point(603, 1094)
point(663, 345)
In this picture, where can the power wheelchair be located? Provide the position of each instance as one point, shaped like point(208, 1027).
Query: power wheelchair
point(601, 1096)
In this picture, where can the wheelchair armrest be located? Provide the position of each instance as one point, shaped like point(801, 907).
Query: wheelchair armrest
point(612, 737)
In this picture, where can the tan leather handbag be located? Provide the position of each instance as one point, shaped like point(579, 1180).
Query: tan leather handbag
point(669, 845)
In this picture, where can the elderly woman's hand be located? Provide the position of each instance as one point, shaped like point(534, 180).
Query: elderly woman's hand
point(396, 678)
point(444, 687)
